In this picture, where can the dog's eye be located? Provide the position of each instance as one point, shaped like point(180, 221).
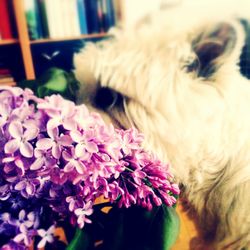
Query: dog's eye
point(106, 98)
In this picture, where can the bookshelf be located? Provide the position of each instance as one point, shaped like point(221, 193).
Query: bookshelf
point(8, 41)
point(49, 40)
point(24, 41)
point(25, 44)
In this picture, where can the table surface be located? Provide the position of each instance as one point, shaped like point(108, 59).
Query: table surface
point(189, 237)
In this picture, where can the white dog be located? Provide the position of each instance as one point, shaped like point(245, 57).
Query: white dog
point(180, 84)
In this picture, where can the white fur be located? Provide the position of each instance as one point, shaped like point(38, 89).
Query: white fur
point(201, 126)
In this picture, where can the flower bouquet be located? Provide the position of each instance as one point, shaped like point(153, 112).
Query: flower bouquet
point(57, 159)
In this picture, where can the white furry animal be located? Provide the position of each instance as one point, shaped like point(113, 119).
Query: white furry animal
point(180, 84)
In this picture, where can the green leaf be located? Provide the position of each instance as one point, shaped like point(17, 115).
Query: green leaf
point(57, 81)
point(136, 228)
point(114, 234)
point(53, 81)
point(165, 228)
point(80, 241)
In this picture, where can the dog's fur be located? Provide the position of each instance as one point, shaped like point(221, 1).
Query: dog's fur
point(181, 87)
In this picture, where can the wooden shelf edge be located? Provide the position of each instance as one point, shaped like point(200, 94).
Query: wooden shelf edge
point(63, 39)
point(22, 29)
point(11, 84)
point(8, 41)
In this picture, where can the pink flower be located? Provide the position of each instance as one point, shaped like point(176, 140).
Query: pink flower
point(56, 142)
point(73, 202)
point(85, 143)
point(73, 162)
point(27, 187)
point(21, 138)
point(7, 92)
point(28, 220)
point(61, 112)
point(5, 192)
point(23, 236)
point(43, 159)
point(47, 236)
point(131, 140)
point(18, 163)
point(82, 212)
point(5, 112)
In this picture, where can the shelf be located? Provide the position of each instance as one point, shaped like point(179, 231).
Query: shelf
point(8, 41)
point(26, 45)
point(8, 84)
point(51, 40)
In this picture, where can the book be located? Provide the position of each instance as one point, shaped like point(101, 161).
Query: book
point(43, 18)
point(11, 84)
point(117, 10)
point(82, 16)
point(33, 19)
point(5, 20)
point(92, 16)
point(50, 9)
point(6, 79)
point(4, 71)
point(61, 16)
point(100, 15)
point(59, 19)
point(11, 13)
point(105, 21)
point(73, 18)
point(66, 19)
point(5, 75)
point(108, 14)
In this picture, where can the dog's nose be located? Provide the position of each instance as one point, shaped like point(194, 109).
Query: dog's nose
point(106, 98)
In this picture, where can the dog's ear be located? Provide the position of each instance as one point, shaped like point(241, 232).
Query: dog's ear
point(214, 47)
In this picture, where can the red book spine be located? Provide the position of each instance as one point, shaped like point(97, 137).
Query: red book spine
point(5, 22)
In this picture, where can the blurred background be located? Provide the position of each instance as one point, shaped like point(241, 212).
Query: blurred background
point(36, 35)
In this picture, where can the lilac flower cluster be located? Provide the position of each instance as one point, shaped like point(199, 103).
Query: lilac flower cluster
point(56, 158)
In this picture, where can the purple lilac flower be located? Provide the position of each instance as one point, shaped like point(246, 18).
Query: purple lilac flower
point(27, 186)
point(5, 192)
point(21, 138)
point(46, 235)
point(14, 162)
point(55, 142)
point(85, 144)
point(5, 111)
point(74, 202)
point(73, 162)
point(25, 219)
point(23, 236)
point(59, 116)
point(83, 212)
point(5, 218)
point(58, 158)
point(17, 203)
point(43, 159)
point(12, 245)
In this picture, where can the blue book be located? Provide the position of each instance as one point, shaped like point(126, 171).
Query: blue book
point(92, 16)
point(110, 13)
point(82, 16)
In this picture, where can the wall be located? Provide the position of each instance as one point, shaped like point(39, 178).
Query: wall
point(133, 10)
